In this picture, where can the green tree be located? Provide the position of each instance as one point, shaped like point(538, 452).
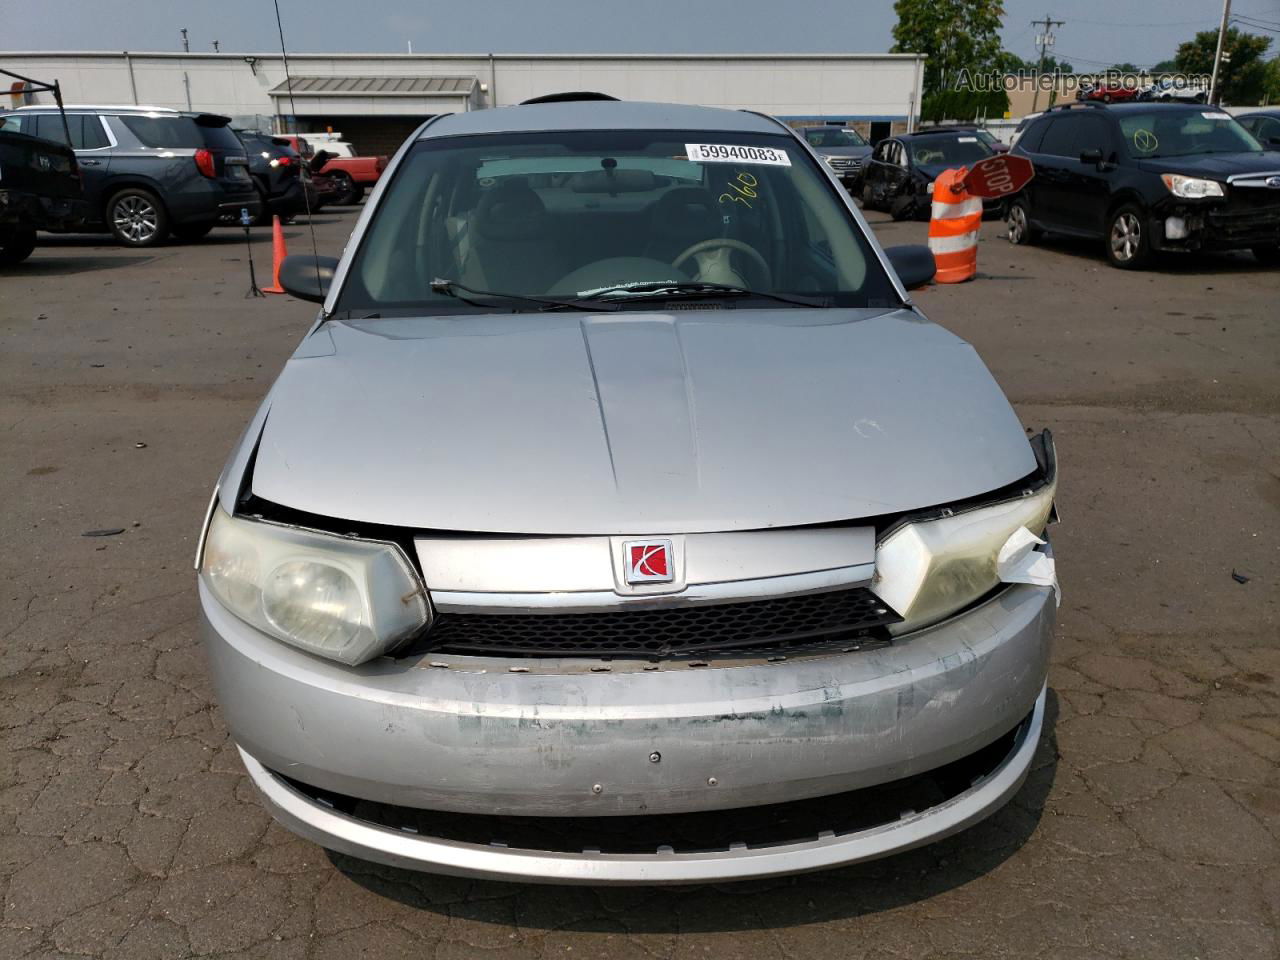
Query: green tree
point(1242, 78)
point(955, 35)
point(1164, 66)
point(1271, 92)
point(1126, 67)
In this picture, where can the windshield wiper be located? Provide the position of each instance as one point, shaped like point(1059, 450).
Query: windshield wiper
point(450, 288)
point(664, 289)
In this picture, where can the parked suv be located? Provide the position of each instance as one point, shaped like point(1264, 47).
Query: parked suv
point(149, 172)
point(843, 150)
point(621, 520)
point(278, 175)
point(898, 177)
point(1149, 177)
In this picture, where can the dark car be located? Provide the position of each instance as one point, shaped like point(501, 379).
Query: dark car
point(898, 178)
point(149, 172)
point(986, 136)
point(842, 149)
point(1149, 177)
point(278, 174)
point(1264, 125)
point(39, 190)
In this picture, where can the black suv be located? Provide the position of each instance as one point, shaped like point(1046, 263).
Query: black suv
point(278, 173)
point(149, 172)
point(1149, 177)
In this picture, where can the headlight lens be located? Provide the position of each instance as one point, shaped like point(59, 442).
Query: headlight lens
point(349, 600)
point(1191, 188)
point(927, 570)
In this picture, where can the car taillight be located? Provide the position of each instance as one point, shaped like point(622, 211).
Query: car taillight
point(204, 163)
point(285, 161)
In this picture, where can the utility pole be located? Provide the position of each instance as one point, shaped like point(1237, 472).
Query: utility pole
point(1044, 41)
point(186, 44)
point(215, 46)
point(1217, 56)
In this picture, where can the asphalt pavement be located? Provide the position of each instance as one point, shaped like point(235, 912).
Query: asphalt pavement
point(1148, 829)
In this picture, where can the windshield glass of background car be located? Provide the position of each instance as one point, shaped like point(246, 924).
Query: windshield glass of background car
point(948, 150)
point(834, 137)
point(575, 214)
point(1182, 133)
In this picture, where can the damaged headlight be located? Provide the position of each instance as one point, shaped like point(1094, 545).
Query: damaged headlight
point(1191, 188)
point(345, 599)
point(928, 569)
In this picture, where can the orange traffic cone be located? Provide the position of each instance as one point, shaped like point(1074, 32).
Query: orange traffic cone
point(278, 252)
point(954, 223)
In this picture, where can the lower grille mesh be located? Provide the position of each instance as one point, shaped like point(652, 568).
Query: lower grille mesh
point(762, 626)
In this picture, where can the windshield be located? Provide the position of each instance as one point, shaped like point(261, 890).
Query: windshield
point(834, 137)
point(1182, 133)
point(609, 214)
point(964, 149)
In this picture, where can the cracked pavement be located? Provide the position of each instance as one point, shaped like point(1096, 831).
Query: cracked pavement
point(1149, 827)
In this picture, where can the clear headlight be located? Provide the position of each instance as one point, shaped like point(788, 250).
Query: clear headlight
point(348, 600)
point(927, 570)
point(1191, 188)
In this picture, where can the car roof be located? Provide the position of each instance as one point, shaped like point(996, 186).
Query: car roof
point(600, 115)
point(948, 132)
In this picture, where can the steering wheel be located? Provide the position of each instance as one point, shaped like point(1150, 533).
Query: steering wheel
point(726, 243)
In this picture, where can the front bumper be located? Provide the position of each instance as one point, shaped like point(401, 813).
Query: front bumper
point(469, 735)
point(1215, 225)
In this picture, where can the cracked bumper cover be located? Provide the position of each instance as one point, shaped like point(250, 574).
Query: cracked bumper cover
point(476, 738)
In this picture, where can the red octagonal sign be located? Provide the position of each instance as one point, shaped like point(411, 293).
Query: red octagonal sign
point(999, 176)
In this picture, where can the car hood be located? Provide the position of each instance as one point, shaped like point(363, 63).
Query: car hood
point(842, 151)
point(634, 423)
point(1216, 166)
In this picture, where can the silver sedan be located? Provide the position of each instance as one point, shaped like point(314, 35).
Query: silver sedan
point(621, 520)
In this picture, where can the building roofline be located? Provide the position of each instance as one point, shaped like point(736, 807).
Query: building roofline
point(224, 55)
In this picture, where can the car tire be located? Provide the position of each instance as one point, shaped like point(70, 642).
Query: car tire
point(17, 246)
point(1268, 256)
point(349, 192)
point(1018, 223)
point(190, 232)
point(136, 218)
point(1106, 98)
point(1127, 240)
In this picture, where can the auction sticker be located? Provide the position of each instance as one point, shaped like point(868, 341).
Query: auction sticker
point(736, 153)
point(1214, 115)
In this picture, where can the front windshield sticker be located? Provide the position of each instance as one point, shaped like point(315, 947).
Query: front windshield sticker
point(734, 153)
point(1213, 115)
point(967, 139)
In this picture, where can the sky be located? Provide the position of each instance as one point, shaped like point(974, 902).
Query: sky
point(1097, 33)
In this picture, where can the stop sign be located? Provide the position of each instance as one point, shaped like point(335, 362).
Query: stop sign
point(999, 176)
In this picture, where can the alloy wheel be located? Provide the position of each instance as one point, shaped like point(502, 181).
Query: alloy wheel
point(1126, 237)
point(1017, 223)
point(136, 219)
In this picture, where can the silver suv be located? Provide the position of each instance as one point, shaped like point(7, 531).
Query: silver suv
point(621, 520)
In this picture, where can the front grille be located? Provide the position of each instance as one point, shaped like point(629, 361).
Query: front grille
point(756, 626)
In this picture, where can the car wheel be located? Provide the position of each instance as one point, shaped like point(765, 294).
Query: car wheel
point(1106, 98)
point(1268, 256)
point(1128, 245)
point(192, 231)
point(1018, 220)
point(17, 246)
point(137, 218)
point(348, 193)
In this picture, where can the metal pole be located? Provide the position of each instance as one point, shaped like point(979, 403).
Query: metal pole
point(133, 83)
point(186, 45)
point(57, 98)
point(1045, 40)
point(1217, 56)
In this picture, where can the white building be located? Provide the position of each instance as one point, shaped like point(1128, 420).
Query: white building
point(376, 99)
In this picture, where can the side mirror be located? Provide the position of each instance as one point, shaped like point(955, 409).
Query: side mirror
point(1274, 141)
point(914, 264)
point(1091, 156)
point(307, 277)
